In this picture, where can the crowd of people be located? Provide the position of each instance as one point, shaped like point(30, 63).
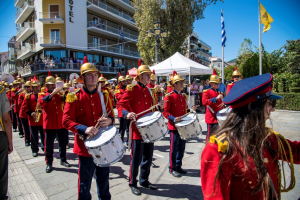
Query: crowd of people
point(240, 159)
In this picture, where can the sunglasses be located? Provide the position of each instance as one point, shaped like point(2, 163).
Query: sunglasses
point(236, 76)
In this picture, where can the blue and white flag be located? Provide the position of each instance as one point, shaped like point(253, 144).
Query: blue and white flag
point(223, 30)
point(122, 35)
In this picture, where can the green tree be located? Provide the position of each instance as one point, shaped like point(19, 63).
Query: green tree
point(177, 16)
point(244, 52)
point(292, 55)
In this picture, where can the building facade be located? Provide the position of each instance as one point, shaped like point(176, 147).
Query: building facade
point(216, 63)
point(56, 35)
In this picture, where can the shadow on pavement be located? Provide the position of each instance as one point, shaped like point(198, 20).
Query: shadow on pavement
point(117, 170)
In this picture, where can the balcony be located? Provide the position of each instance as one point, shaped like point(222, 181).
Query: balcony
point(18, 3)
point(113, 50)
point(24, 12)
point(110, 31)
point(52, 42)
point(25, 31)
point(26, 51)
point(205, 44)
point(110, 12)
point(51, 17)
point(125, 4)
point(205, 52)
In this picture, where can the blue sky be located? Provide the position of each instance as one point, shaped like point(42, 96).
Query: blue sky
point(241, 21)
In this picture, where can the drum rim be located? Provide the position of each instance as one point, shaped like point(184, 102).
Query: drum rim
point(108, 141)
point(152, 122)
point(152, 141)
point(114, 161)
point(176, 124)
point(192, 137)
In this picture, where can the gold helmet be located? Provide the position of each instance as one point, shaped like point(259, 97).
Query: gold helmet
point(86, 67)
point(50, 79)
point(128, 77)
point(176, 77)
point(106, 82)
point(15, 82)
point(153, 76)
point(35, 82)
point(143, 69)
point(101, 78)
point(57, 78)
point(236, 73)
point(11, 84)
point(121, 78)
point(6, 83)
point(66, 85)
point(70, 82)
point(214, 78)
point(75, 80)
point(19, 80)
point(28, 84)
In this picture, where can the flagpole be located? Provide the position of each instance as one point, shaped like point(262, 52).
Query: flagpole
point(260, 58)
point(222, 68)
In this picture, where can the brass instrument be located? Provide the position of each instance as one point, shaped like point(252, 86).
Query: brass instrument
point(38, 112)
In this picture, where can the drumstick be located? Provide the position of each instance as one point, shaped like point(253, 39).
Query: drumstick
point(98, 124)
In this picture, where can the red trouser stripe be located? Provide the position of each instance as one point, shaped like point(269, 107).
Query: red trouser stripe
point(171, 149)
point(130, 178)
point(78, 178)
point(45, 146)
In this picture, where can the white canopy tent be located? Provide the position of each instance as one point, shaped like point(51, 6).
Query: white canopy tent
point(182, 65)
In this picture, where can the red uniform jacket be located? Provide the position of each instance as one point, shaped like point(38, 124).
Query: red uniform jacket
point(29, 105)
point(139, 99)
point(118, 94)
point(22, 112)
point(169, 88)
point(52, 110)
point(212, 106)
point(15, 99)
point(8, 94)
point(229, 86)
point(82, 110)
point(237, 182)
point(175, 106)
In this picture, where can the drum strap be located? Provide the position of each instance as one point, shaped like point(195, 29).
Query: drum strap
point(154, 102)
point(102, 100)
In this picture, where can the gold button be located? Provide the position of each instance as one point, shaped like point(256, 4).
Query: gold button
point(93, 112)
point(53, 98)
point(138, 102)
point(266, 160)
point(80, 109)
point(175, 104)
point(94, 120)
point(55, 107)
point(91, 95)
point(145, 95)
point(92, 104)
point(146, 103)
point(250, 182)
point(180, 99)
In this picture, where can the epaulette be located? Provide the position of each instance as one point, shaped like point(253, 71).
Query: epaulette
point(1, 88)
point(185, 96)
point(117, 87)
point(169, 94)
point(204, 90)
point(130, 86)
point(71, 97)
point(8, 90)
point(104, 92)
point(220, 141)
point(117, 91)
point(13, 89)
point(27, 95)
point(229, 83)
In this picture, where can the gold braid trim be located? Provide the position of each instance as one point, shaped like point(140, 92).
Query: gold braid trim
point(2, 89)
point(283, 156)
point(71, 97)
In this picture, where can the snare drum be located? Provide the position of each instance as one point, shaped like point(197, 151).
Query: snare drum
point(189, 127)
point(106, 147)
point(152, 127)
point(222, 115)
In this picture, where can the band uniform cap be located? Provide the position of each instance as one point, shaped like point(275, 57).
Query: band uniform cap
point(106, 82)
point(57, 78)
point(101, 79)
point(236, 73)
point(86, 67)
point(35, 83)
point(214, 78)
point(143, 69)
point(251, 89)
point(177, 78)
point(11, 84)
point(66, 85)
point(28, 84)
point(15, 82)
point(153, 76)
point(6, 83)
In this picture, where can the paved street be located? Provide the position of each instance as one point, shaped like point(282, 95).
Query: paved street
point(28, 180)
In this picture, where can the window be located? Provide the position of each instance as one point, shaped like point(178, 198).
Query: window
point(54, 11)
point(55, 54)
point(55, 36)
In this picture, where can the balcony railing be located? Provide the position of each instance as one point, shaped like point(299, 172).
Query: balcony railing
point(26, 26)
point(115, 50)
point(52, 40)
point(109, 8)
point(25, 4)
point(111, 29)
point(24, 49)
point(127, 2)
point(51, 15)
point(202, 50)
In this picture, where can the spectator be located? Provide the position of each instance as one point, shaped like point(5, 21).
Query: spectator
point(222, 87)
point(194, 91)
point(109, 64)
point(201, 87)
point(206, 86)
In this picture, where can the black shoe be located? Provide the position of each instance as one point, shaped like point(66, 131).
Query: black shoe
point(26, 144)
point(181, 171)
point(67, 147)
point(49, 168)
point(43, 149)
point(175, 174)
point(21, 136)
point(149, 186)
point(65, 163)
point(34, 154)
point(15, 130)
point(135, 190)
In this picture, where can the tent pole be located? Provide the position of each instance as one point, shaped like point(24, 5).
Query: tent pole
point(188, 85)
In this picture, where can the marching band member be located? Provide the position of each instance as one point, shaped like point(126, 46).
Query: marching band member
point(176, 106)
point(128, 78)
point(212, 99)
point(82, 111)
point(122, 82)
point(242, 160)
point(102, 81)
point(155, 89)
point(66, 92)
point(23, 116)
point(140, 99)
point(13, 114)
point(35, 117)
point(75, 83)
point(236, 76)
point(15, 98)
point(52, 103)
point(170, 87)
point(8, 94)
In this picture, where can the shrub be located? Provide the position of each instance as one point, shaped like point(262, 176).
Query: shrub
point(290, 101)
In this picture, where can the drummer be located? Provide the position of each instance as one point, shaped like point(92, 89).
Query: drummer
point(82, 111)
point(170, 86)
point(212, 99)
point(236, 76)
point(173, 112)
point(140, 99)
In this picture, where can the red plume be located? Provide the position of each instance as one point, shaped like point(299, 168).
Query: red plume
point(214, 72)
point(235, 68)
point(55, 75)
point(101, 75)
point(119, 74)
point(20, 76)
point(105, 78)
point(174, 73)
point(34, 78)
point(85, 60)
point(29, 79)
point(140, 62)
point(127, 73)
point(153, 72)
point(49, 73)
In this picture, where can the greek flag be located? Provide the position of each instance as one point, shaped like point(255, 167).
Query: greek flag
point(223, 30)
point(122, 35)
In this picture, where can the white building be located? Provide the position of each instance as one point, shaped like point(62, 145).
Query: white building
point(216, 63)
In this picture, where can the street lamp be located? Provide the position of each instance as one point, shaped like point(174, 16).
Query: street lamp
point(157, 33)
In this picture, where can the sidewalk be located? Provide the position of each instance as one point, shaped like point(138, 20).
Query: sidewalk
point(28, 179)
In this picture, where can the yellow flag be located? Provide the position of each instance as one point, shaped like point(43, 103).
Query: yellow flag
point(265, 18)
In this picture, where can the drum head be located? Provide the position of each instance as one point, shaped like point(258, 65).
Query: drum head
point(148, 118)
point(103, 135)
point(222, 114)
point(187, 120)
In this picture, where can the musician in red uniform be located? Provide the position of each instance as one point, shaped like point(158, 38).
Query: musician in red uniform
point(15, 98)
point(82, 111)
point(175, 107)
point(52, 102)
point(155, 89)
point(128, 78)
point(212, 99)
point(23, 116)
point(102, 81)
point(8, 94)
point(140, 99)
point(32, 109)
point(170, 87)
point(236, 76)
point(242, 161)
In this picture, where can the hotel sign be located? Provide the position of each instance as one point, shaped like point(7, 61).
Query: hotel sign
point(71, 14)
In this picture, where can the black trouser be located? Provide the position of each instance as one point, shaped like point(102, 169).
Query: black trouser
point(177, 147)
point(122, 128)
point(67, 136)
point(19, 124)
point(141, 155)
point(210, 129)
point(35, 138)
point(127, 129)
point(50, 136)
point(26, 129)
point(3, 165)
point(15, 123)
